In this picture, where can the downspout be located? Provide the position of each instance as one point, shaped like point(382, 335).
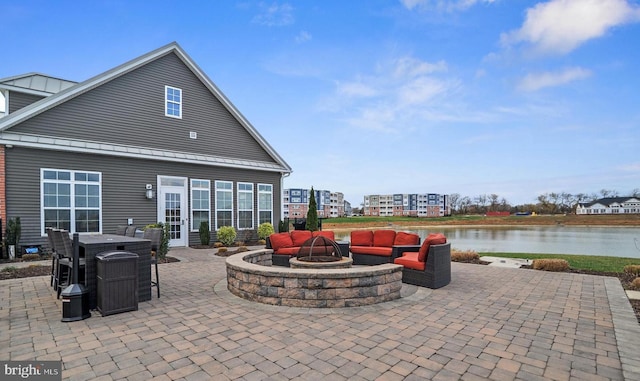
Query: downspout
point(284, 174)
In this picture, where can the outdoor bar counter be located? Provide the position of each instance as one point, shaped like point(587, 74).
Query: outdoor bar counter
point(93, 244)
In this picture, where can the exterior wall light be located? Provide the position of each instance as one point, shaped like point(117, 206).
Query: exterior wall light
point(149, 191)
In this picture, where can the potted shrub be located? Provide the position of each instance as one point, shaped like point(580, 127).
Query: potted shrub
point(13, 232)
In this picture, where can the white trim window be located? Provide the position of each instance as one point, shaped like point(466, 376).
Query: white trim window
point(71, 200)
point(245, 206)
point(173, 102)
point(265, 203)
point(200, 203)
point(224, 204)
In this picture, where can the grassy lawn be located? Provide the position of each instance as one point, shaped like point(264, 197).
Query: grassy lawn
point(578, 262)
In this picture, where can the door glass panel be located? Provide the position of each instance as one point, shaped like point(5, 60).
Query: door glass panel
point(173, 214)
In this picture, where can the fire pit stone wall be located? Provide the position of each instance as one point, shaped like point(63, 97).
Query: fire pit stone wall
point(251, 276)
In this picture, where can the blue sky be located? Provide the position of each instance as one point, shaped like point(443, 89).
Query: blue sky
point(514, 98)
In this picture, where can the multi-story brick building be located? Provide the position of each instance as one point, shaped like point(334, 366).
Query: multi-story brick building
point(405, 204)
point(295, 203)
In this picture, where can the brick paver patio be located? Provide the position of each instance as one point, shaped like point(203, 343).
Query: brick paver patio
point(489, 323)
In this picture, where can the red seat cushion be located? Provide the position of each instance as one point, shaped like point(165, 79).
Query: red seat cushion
point(325, 233)
point(372, 250)
point(280, 240)
point(361, 238)
point(432, 239)
point(384, 238)
point(299, 237)
point(403, 238)
point(291, 251)
point(410, 260)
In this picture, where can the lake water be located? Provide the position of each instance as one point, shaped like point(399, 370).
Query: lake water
point(608, 241)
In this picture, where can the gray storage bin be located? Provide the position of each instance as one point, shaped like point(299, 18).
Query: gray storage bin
point(117, 282)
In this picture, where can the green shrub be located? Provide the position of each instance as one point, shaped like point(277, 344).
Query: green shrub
point(283, 227)
point(264, 230)
point(227, 235)
point(205, 237)
point(550, 264)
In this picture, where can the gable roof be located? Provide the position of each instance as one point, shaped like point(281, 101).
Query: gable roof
point(64, 95)
point(607, 201)
point(35, 83)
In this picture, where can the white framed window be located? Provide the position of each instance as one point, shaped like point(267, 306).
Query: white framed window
point(224, 203)
point(173, 102)
point(71, 200)
point(200, 203)
point(245, 206)
point(265, 203)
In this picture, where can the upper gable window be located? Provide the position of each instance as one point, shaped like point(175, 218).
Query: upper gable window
point(173, 102)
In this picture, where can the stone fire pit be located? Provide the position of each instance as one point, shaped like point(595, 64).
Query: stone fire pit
point(251, 276)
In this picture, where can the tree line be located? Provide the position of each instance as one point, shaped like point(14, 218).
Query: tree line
point(548, 203)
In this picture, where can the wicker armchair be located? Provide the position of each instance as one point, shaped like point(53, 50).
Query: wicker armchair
point(437, 267)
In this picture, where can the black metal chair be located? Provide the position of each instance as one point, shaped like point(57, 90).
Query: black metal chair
point(155, 236)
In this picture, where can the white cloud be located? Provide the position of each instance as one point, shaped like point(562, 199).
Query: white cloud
point(533, 82)
point(411, 67)
point(560, 26)
point(421, 90)
point(274, 15)
point(401, 93)
point(356, 89)
point(443, 5)
point(303, 36)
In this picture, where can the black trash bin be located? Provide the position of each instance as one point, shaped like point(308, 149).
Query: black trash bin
point(117, 282)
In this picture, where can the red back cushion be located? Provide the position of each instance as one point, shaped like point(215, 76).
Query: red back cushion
point(300, 236)
point(384, 238)
point(325, 233)
point(279, 240)
point(403, 238)
point(432, 239)
point(361, 238)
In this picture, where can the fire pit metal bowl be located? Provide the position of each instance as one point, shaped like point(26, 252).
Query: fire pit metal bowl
point(319, 249)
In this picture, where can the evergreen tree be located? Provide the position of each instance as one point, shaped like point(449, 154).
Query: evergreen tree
point(312, 214)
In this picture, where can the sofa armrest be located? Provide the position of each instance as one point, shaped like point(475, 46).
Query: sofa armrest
point(396, 251)
point(439, 258)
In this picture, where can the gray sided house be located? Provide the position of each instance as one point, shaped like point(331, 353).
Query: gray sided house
point(151, 140)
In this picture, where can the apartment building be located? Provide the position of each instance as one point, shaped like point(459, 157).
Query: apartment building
point(406, 204)
point(295, 203)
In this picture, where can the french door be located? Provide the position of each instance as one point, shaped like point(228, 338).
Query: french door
point(172, 208)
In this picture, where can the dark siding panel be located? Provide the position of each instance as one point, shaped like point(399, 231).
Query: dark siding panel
point(123, 186)
point(130, 110)
point(20, 100)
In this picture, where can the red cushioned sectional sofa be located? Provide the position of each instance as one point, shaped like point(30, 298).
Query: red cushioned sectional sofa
point(427, 265)
point(286, 245)
point(379, 246)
